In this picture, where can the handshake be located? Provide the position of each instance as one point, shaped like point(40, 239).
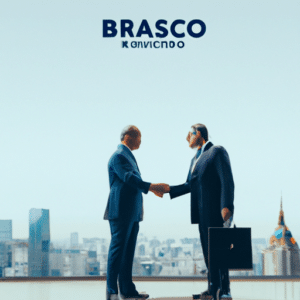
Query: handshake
point(159, 189)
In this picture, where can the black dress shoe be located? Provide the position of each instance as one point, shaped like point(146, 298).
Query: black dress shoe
point(205, 295)
point(112, 297)
point(135, 296)
point(223, 295)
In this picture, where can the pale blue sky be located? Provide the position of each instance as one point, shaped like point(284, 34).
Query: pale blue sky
point(66, 93)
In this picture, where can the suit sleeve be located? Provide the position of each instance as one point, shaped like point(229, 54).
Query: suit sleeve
point(179, 190)
point(182, 189)
point(126, 173)
point(222, 164)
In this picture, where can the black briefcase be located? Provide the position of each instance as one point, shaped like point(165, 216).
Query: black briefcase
point(230, 248)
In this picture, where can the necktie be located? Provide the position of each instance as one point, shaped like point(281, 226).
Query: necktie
point(198, 153)
point(196, 157)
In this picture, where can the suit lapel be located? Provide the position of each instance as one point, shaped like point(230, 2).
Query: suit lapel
point(207, 147)
point(209, 144)
point(190, 171)
point(136, 163)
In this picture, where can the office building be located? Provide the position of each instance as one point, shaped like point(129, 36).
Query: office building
point(282, 256)
point(3, 258)
point(56, 262)
point(5, 230)
point(258, 245)
point(75, 262)
point(38, 243)
point(20, 258)
point(74, 240)
point(93, 266)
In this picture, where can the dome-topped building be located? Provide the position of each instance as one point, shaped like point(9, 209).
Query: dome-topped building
point(282, 255)
point(282, 235)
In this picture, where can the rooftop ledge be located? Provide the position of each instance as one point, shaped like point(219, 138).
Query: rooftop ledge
point(159, 288)
point(152, 278)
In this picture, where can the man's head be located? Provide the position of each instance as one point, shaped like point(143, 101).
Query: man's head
point(131, 137)
point(198, 136)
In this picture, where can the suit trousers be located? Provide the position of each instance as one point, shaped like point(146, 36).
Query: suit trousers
point(120, 256)
point(217, 277)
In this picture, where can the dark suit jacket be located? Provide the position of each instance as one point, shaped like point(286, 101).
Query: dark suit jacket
point(211, 187)
point(125, 201)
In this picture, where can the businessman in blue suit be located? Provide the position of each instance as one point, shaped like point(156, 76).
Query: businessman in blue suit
point(210, 183)
point(124, 211)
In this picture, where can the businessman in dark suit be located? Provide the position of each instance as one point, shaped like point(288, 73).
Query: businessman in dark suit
point(124, 211)
point(211, 185)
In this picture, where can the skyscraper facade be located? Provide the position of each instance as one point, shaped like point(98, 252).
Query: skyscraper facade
point(38, 243)
point(74, 240)
point(282, 257)
point(5, 230)
point(258, 245)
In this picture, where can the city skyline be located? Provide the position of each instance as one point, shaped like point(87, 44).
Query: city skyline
point(192, 234)
point(73, 240)
point(39, 256)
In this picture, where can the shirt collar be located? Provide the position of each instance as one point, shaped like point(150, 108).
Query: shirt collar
point(201, 150)
point(127, 148)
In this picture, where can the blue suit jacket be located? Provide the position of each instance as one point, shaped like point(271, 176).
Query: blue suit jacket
point(211, 186)
point(125, 201)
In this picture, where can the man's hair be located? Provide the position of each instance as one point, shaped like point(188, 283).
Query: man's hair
point(203, 130)
point(130, 130)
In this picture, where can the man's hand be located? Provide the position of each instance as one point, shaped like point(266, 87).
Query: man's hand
point(159, 189)
point(226, 214)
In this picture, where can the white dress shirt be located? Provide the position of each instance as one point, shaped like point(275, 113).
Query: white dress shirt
point(196, 160)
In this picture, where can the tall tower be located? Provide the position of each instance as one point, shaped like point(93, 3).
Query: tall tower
point(282, 255)
point(38, 243)
point(5, 230)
